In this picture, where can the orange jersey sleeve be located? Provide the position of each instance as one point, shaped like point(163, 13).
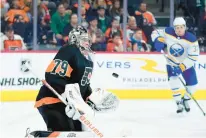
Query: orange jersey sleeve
point(107, 33)
point(149, 17)
point(110, 47)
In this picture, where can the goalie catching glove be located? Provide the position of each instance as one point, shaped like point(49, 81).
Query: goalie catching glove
point(103, 101)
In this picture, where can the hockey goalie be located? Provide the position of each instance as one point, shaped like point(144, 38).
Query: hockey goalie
point(69, 74)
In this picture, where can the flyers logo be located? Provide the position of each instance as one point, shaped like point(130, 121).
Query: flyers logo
point(87, 76)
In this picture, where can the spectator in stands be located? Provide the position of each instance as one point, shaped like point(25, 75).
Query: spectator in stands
point(132, 27)
point(3, 24)
point(115, 10)
point(25, 5)
point(113, 29)
point(103, 20)
point(59, 21)
point(43, 11)
point(138, 44)
point(132, 23)
point(148, 16)
point(19, 25)
point(57, 2)
point(4, 7)
point(148, 21)
point(45, 34)
point(132, 5)
point(109, 3)
point(98, 3)
point(97, 36)
point(50, 5)
point(11, 41)
point(16, 10)
point(72, 2)
point(194, 9)
point(116, 44)
point(73, 23)
point(84, 4)
point(84, 18)
point(67, 6)
point(65, 3)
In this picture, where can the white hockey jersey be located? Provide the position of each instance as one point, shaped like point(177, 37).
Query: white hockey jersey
point(182, 50)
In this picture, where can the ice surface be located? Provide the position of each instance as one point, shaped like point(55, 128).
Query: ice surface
point(134, 118)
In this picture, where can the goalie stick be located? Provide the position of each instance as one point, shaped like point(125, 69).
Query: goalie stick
point(204, 114)
point(83, 118)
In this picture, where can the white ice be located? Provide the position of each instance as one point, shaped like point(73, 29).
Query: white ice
point(134, 118)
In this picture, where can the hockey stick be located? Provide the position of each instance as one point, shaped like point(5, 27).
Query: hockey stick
point(83, 118)
point(192, 97)
point(204, 114)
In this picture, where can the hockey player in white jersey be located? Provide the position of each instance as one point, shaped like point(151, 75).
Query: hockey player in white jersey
point(183, 51)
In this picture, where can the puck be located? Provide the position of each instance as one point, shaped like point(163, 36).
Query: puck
point(115, 75)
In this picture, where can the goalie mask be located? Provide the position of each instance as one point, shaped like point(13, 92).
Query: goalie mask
point(79, 36)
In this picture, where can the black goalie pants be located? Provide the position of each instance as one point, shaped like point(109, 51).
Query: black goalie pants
point(56, 119)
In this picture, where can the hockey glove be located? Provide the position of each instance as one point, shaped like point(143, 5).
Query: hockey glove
point(76, 105)
point(72, 112)
point(103, 101)
point(159, 44)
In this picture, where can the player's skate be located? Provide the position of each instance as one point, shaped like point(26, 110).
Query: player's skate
point(179, 107)
point(185, 103)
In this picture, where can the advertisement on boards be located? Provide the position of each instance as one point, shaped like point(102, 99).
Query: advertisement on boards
point(140, 75)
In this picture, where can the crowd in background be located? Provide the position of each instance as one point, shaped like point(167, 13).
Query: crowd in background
point(102, 18)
